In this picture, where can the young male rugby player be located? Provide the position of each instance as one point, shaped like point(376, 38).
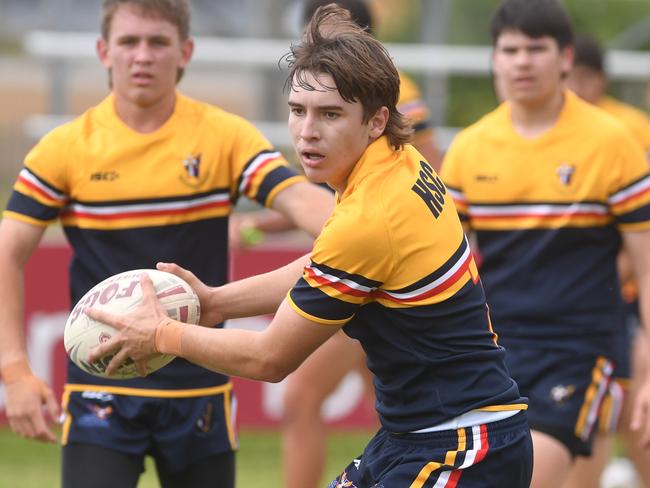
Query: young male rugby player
point(391, 267)
point(588, 79)
point(550, 185)
point(147, 175)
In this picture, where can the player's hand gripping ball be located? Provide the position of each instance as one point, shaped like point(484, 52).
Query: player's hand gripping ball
point(119, 294)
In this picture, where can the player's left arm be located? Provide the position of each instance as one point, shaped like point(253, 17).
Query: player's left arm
point(307, 205)
point(637, 244)
point(268, 355)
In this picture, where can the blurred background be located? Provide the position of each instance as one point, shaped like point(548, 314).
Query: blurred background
point(48, 75)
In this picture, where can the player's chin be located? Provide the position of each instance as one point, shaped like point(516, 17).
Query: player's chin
point(315, 175)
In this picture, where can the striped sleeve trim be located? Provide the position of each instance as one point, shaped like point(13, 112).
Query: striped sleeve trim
point(345, 283)
point(435, 283)
point(632, 191)
point(33, 182)
point(253, 168)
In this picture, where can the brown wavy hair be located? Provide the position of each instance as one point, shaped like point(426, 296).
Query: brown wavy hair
point(359, 64)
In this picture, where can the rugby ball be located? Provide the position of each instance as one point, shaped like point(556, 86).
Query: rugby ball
point(119, 294)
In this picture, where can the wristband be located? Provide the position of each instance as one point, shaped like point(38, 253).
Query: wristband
point(15, 371)
point(168, 338)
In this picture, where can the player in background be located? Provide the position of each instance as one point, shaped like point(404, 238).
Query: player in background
point(450, 413)
point(588, 79)
point(550, 185)
point(146, 175)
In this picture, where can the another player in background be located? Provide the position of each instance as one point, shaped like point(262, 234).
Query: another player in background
point(391, 267)
point(249, 228)
point(147, 175)
point(550, 185)
point(588, 79)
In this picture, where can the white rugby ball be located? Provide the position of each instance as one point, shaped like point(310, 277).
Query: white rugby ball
point(119, 294)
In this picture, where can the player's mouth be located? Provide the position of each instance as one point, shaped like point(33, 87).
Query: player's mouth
point(524, 81)
point(311, 158)
point(142, 79)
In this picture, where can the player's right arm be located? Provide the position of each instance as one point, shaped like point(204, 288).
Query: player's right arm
point(25, 394)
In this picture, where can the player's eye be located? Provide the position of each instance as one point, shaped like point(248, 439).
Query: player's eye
point(128, 41)
point(331, 115)
point(297, 110)
point(158, 42)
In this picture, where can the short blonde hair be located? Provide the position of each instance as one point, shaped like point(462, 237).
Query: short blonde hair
point(177, 12)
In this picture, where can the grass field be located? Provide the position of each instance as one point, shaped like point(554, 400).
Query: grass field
point(27, 464)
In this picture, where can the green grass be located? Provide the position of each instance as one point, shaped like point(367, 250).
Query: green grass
point(29, 464)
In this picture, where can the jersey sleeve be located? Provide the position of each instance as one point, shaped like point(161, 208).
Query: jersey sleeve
point(629, 196)
point(40, 191)
point(451, 173)
point(348, 264)
point(260, 171)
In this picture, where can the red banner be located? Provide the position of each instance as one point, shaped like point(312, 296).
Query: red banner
point(259, 404)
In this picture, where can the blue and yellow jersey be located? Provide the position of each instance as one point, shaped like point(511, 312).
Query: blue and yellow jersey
point(127, 200)
point(413, 107)
point(547, 213)
point(393, 265)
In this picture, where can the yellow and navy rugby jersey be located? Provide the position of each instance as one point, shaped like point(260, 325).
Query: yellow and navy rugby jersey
point(411, 105)
point(127, 200)
point(631, 117)
point(393, 265)
point(547, 213)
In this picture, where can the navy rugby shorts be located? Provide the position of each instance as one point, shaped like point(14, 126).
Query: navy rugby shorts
point(565, 391)
point(482, 456)
point(178, 431)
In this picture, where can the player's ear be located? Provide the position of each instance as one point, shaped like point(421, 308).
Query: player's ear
point(378, 121)
point(567, 54)
point(187, 49)
point(102, 52)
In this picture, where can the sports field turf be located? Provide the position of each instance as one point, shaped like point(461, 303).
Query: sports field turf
point(27, 464)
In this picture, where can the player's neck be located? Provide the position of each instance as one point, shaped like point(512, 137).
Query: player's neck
point(531, 120)
point(145, 118)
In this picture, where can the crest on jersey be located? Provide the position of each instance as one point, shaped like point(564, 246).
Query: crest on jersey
point(565, 172)
point(195, 175)
point(193, 165)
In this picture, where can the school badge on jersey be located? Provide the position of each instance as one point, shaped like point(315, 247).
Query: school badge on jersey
point(193, 165)
point(565, 173)
point(194, 176)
